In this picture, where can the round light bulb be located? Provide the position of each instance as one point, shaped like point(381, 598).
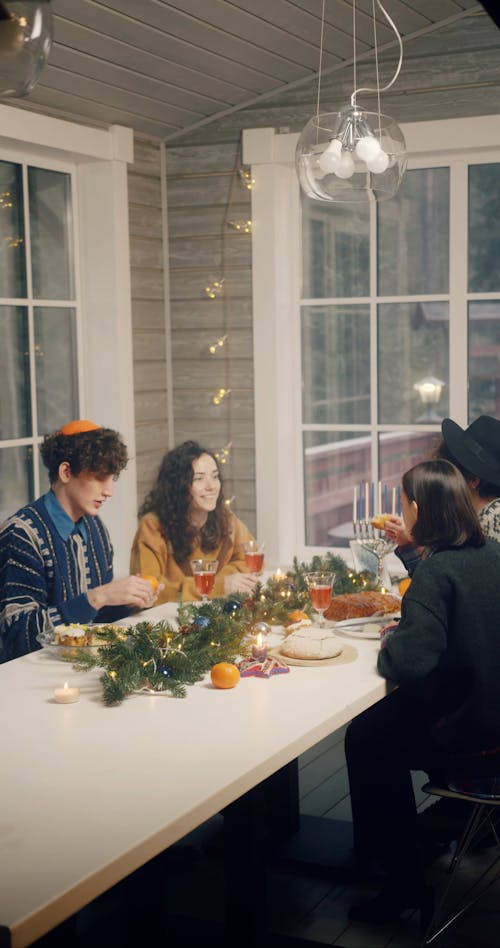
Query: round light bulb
point(345, 168)
point(367, 148)
point(379, 163)
point(329, 159)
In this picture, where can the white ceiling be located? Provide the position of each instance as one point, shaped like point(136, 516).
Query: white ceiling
point(174, 69)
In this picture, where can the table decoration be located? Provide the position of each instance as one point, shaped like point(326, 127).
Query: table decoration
point(158, 658)
point(347, 655)
point(66, 694)
point(225, 675)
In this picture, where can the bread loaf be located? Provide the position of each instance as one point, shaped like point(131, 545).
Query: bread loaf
point(311, 644)
point(356, 605)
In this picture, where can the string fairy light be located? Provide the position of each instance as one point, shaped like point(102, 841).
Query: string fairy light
point(246, 178)
point(224, 453)
point(220, 395)
point(218, 344)
point(243, 226)
point(215, 288)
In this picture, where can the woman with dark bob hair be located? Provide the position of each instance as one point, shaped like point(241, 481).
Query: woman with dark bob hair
point(183, 518)
point(444, 718)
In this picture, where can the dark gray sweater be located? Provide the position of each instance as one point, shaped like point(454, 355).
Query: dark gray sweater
point(447, 646)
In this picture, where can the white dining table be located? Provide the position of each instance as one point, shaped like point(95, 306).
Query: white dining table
point(89, 793)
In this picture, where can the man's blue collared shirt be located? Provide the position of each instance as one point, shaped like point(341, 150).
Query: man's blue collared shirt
point(63, 523)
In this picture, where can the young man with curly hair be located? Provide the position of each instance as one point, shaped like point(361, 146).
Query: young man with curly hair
point(56, 558)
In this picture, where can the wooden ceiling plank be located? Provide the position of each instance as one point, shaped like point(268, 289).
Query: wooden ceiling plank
point(84, 40)
point(77, 108)
point(338, 15)
point(102, 92)
point(102, 70)
point(279, 27)
point(226, 59)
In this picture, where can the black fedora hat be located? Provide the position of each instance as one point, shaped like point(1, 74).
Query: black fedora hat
point(476, 448)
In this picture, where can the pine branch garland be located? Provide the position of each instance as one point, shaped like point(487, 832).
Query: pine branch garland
point(155, 657)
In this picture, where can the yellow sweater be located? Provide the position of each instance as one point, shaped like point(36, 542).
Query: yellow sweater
point(152, 554)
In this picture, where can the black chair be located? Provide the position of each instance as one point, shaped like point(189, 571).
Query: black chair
point(483, 793)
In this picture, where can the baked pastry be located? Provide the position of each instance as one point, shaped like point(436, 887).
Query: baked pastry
point(311, 643)
point(357, 605)
point(72, 634)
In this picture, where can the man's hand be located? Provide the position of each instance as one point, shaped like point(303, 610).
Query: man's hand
point(131, 591)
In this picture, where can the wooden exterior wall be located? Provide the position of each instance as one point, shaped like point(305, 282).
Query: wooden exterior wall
point(172, 343)
point(151, 355)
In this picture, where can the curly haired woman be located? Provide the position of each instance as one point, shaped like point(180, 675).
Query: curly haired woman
point(183, 518)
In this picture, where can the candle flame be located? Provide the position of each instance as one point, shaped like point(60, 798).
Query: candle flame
point(65, 685)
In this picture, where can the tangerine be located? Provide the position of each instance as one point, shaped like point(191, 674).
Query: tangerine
point(152, 580)
point(403, 585)
point(296, 616)
point(224, 675)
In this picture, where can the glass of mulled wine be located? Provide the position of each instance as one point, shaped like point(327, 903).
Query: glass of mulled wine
point(320, 586)
point(254, 556)
point(204, 576)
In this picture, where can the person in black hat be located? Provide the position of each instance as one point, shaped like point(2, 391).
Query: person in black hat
point(476, 452)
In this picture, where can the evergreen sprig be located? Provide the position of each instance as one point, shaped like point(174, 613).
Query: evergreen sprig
point(156, 657)
point(347, 580)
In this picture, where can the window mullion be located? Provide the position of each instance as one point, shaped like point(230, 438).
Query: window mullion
point(458, 291)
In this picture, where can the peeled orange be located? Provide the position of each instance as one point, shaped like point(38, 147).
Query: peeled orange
point(403, 585)
point(152, 580)
point(224, 675)
point(296, 616)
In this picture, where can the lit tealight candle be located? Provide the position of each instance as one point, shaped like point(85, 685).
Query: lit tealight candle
point(259, 651)
point(66, 695)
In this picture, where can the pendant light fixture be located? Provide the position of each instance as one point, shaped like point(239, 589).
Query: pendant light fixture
point(25, 42)
point(351, 155)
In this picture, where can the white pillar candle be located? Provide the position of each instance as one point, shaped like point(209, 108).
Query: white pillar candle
point(66, 695)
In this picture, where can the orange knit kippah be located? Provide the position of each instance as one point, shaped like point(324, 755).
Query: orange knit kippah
point(79, 426)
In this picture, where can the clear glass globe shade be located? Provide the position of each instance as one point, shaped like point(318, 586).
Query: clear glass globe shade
point(25, 43)
point(349, 126)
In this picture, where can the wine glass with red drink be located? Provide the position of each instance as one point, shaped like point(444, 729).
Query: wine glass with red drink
point(254, 556)
point(320, 586)
point(204, 576)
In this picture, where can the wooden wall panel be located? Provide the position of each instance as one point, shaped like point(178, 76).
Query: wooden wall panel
point(204, 192)
point(151, 358)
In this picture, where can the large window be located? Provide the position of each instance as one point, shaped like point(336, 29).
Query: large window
point(38, 357)
point(378, 331)
point(371, 324)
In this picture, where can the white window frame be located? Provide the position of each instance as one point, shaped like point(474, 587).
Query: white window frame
point(97, 159)
point(276, 272)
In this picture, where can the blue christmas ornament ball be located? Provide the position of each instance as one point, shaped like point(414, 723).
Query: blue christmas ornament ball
point(201, 622)
point(231, 606)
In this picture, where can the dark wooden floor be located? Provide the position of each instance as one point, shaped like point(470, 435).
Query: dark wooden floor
point(182, 904)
